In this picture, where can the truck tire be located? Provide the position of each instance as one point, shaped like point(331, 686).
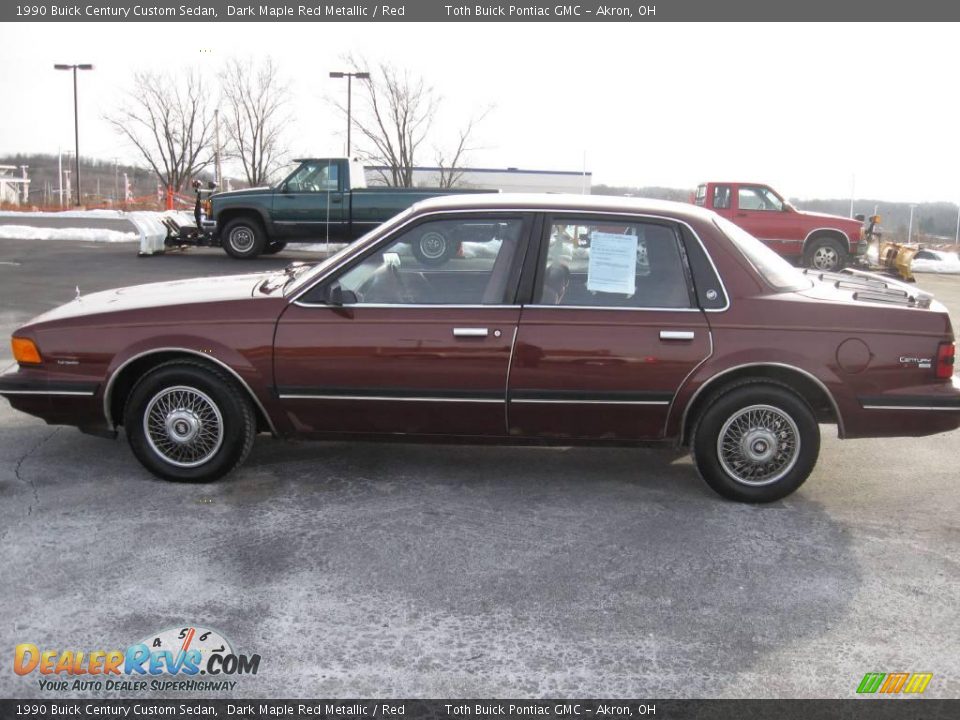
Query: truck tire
point(243, 238)
point(825, 254)
point(756, 442)
point(435, 248)
point(274, 247)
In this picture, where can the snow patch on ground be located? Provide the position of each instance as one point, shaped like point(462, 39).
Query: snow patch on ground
point(318, 247)
point(25, 232)
point(65, 214)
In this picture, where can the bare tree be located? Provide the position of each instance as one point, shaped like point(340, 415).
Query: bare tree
point(394, 117)
point(170, 123)
point(450, 162)
point(255, 100)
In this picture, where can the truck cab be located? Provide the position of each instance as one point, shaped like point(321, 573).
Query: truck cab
point(322, 199)
point(820, 241)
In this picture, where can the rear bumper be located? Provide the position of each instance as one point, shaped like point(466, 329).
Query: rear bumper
point(912, 412)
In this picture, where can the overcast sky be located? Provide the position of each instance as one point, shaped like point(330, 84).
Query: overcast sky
point(803, 107)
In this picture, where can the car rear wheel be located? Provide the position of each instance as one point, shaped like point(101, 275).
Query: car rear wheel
point(243, 238)
point(825, 254)
point(434, 248)
point(189, 422)
point(756, 442)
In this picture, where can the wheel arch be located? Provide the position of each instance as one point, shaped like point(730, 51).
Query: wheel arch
point(232, 213)
point(805, 384)
point(830, 233)
point(121, 382)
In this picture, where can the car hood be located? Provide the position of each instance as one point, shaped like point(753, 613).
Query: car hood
point(241, 193)
point(830, 218)
point(161, 294)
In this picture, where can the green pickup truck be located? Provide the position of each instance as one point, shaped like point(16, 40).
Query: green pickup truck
point(323, 199)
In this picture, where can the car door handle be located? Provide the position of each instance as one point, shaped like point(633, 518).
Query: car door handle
point(471, 332)
point(741, 214)
point(336, 199)
point(676, 335)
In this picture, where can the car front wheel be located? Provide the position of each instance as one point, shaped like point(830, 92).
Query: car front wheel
point(825, 254)
point(186, 421)
point(243, 238)
point(434, 248)
point(756, 442)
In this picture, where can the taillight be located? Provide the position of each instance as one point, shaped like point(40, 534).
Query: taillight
point(946, 354)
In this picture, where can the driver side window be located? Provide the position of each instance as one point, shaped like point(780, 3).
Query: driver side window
point(440, 262)
point(314, 177)
point(752, 197)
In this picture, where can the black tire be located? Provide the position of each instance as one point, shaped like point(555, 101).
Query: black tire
point(274, 247)
point(825, 254)
point(223, 424)
point(776, 446)
point(435, 248)
point(243, 238)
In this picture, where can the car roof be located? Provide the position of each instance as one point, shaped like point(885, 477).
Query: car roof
point(548, 202)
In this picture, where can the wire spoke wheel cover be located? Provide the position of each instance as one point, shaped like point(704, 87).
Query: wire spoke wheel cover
point(183, 426)
point(758, 445)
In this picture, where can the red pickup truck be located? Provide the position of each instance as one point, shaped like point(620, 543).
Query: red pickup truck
point(824, 242)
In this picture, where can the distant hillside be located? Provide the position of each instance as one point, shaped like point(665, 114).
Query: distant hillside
point(98, 177)
point(101, 181)
point(930, 220)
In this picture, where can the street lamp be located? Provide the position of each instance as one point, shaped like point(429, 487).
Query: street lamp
point(76, 119)
point(350, 76)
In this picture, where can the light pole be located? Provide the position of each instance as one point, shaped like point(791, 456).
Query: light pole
point(910, 230)
point(76, 118)
point(350, 76)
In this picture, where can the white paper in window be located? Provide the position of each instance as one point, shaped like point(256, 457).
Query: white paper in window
point(613, 263)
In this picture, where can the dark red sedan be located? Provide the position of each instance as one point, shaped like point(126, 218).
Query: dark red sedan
point(562, 320)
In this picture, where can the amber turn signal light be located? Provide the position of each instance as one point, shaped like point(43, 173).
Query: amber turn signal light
point(25, 351)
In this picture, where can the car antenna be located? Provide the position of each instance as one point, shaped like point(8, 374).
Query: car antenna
point(78, 293)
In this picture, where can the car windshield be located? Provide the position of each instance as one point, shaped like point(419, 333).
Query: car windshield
point(320, 268)
point(774, 269)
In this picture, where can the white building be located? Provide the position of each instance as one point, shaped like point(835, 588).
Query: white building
point(503, 179)
point(13, 189)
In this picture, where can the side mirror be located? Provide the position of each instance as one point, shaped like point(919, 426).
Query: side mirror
point(337, 296)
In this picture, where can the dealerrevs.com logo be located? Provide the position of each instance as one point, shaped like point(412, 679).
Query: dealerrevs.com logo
point(171, 660)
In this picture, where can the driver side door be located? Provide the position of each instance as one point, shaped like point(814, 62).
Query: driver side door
point(412, 348)
point(311, 202)
point(763, 214)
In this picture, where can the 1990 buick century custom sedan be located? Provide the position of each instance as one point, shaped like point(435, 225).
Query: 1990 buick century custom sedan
point(565, 320)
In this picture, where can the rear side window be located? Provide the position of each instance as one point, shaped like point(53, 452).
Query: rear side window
point(701, 197)
point(612, 264)
point(709, 289)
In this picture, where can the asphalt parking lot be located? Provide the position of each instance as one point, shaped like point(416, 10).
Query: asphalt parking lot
point(444, 571)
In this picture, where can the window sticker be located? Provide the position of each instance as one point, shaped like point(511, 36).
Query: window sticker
point(613, 263)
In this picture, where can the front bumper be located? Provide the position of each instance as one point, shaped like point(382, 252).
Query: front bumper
point(53, 398)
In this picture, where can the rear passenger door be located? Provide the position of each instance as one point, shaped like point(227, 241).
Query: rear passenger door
point(609, 333)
